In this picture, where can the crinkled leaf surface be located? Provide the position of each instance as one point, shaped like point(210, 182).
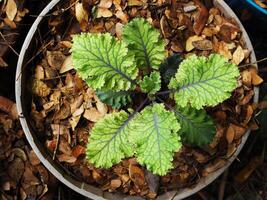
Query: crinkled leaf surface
point(115, 99)
point(202, 81)
point(154, 132)
point(103, 61)
point(197, 128)
point(169, 66)
point(108, 142)
point(152, 83)
point(144, 42)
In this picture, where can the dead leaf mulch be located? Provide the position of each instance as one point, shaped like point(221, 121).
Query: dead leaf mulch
point(64, 109)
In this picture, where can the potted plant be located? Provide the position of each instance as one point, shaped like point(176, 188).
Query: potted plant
point(144, 102)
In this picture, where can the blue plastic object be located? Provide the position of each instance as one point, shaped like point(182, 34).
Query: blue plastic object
point(257, 7)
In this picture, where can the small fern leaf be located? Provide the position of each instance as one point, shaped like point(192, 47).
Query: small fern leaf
point(151, 84)
point(154, 132)
point(103, 61)
point(202, 81)
point(144, 42)
point(197, 128)
point(115, 99)
point(108, 142)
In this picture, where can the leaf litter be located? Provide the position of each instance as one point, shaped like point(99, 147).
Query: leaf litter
point(62, 101)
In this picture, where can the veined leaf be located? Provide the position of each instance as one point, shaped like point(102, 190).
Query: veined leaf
point(154, 131)
point(115, 99)
point(103, 61)
point(202, 81)
point(169, 66)
point(108, 142)
point(144, 42)
point(151, 84)
point(197, 128)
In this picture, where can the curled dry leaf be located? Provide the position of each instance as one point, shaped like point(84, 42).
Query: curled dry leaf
point(105, 4)
point(256, 79)
point(122, 16)
point(137, 2)
point(10, 23)
point(246, 77)
point(55, 59)
point(230, 134)
point(66, 158)
point(39, 72)
point(104, 12)
point(115, 183)
point(67, 65)
point(190, 40)
point(202, 44)
point(34, 160)
point(118, 28)
point(228, 31)
point(11, 9)
point(246, 99)
point(92, 114)
point(40, 89)
point(16, 169)
point(239, 131)
point(201, 18)
point(137, 175)
point(217, 164)
point(78, 150)
point(80, 13)
point(74, 120)
point(222, 48)
point(238, 55)
point(63, 112)
point(59, 129)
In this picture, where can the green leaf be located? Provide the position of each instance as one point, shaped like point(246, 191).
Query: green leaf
point(197, 128)
point(115, 99)
point(108, 142)
point(151, 84)
point(154, 131)
point(203, 81)
point(103, 61)
point(144, 42)
point(169, 67)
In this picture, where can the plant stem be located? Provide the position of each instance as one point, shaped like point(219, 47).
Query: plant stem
point(166, 92)
point(248, 64)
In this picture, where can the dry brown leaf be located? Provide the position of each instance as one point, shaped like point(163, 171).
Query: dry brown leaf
point(190, 40)
point(63, 112)
point(78, 150)
point(67, 65)
point(122, 16)
point(219, 163)
point(256, 79)
point(39, 72)
point(230, 134)
point(11, 9)
point(92, 114)
point(246, 77)
point(16, 169)
point(118, 28)
point(201, 18)
point(221, 48)
point(104, 12)
point(239, 131)
point(246, 98)
point(59, 129)
point(137, 175)
point(115, 183)
point(136, 2)
point(66, 158)
point(34, 160)
point(249, 114)
point(55, 59)
point(80, 13)
point(238, 55)
point(202, 44)
point(74, 120)
point(40, 89)
point(105, 4)
point(10, 23)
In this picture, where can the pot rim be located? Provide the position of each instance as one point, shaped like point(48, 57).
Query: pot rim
point(91, 191)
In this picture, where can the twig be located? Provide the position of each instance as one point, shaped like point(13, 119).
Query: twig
point(222, 185)
point(55, 150)
point(204, 195)
point(7, 43)
point(248, 64)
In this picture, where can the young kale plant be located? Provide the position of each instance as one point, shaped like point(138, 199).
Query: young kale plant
point(122, 71)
